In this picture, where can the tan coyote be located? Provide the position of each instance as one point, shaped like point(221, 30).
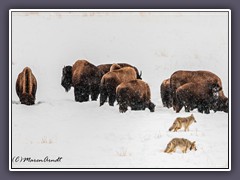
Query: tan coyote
point(182, 121)
point(183, 144)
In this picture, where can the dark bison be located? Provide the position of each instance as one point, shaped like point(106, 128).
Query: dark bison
point(166, 93)
point(196, 95)
point(111, 80)
point(84, 77)
point(104, 68)
point(179, 78)
point(136, 94)
point(26, 87)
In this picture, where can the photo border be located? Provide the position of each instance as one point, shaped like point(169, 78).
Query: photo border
point(119, 10)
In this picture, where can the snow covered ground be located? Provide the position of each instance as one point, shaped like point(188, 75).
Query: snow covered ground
point(84, 135)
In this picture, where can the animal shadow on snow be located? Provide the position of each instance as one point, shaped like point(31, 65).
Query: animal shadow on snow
point(36, 104)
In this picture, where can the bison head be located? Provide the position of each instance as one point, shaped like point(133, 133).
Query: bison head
point(67, 78)
point(223, 105)
point(214, 90)
point(27, 99)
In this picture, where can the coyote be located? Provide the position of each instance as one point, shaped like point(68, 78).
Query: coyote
point(182, 121)
point(183, 144)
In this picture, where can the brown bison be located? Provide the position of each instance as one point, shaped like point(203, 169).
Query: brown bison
point(196, 95)
point(166, 93)
point(136, 94)
point(26, 87)
point(104, 68)
point(84, 77)
point(111, 80)
point(179, 78)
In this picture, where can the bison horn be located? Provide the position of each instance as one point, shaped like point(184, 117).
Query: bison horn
point(140, 73)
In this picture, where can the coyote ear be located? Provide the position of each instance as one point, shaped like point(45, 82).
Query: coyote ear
point(193, 142)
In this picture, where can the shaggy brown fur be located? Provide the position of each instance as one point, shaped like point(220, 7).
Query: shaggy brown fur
point(26, 86)
point(111, 80)
point(84, 77)
point(136, 94)
point(196, 95)
point(115, 67)
point(203, 77)
point(166, 93)
point(104, 68)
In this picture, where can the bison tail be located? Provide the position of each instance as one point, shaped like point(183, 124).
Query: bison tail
point(27, 80)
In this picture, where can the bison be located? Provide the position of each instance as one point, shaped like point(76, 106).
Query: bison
point(26, 87)
point(136, 94)
point(196, 95)
point(166, 93)
point(111, 80)
point(104, 68)
point(84, 77)
point(180, 78)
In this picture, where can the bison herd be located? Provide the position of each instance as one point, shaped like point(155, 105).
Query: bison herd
point(121, 82)
point(194, 89)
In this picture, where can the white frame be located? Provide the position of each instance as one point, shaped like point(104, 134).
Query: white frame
point(119, 10)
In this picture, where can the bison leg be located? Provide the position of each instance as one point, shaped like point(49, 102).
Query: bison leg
point(178, 108)
point(164, 104)
point(103, 95)
point(206, 109)
point(77, 93)
point(187, 108)
point(178, 103)
point(200, 108)
point(123, 107)
point(81, 93)
point(85, 93)
point(112, 95)
point(136, 104)
point(136, 107)
point(112, 98)
point(174, 101)
point(169, 104)
point(151, 107)
point(94, 92)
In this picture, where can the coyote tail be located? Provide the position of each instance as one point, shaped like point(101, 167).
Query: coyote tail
point(168, 148)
